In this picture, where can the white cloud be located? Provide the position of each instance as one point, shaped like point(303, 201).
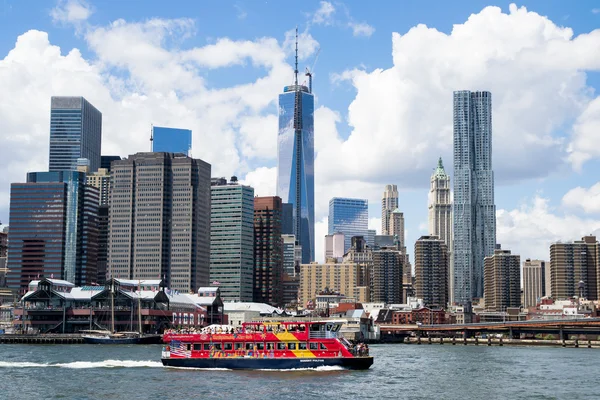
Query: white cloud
point(530, 229)
point(596, 10)
point(401, 118)
point(361, 29)
point(263, 180)
point(324, 13)
point(307, 45)
point(586, 199)
point(375, 223)
point(71, 11)
point(259, 136)
point(320, 232)
point(586, 135)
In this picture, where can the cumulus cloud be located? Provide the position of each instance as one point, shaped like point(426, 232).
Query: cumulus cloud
point(361, 29)
point(401, 118)
point(530, 229)
point(71, 11)
point(324, 13)
point(586, 199)
point(586, 135)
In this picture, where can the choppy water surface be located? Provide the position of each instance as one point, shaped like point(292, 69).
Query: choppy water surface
point(399, 372)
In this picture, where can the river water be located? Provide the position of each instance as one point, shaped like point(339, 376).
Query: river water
point(399, 372)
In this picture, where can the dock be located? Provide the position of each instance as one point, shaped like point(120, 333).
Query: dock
point(576, 343)
point(42, 339)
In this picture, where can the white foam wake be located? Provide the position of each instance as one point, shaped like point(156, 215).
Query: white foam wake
point(85, 364)
point(321, 368)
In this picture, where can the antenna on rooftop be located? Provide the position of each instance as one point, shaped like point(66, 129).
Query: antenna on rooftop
point(296, 68)
point(151, 137)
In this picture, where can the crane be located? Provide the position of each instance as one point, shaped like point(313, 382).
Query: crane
point(309, 72)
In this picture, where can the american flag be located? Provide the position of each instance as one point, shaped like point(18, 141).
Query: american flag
point(179, 349)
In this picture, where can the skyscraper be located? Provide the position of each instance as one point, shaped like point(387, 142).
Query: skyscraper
point(534, 282)
point(386, 276)
point(574, 269)
point(334, 246)
point(101, 181)
point(474, 211)
point(431, 271)
point(440, 206)
point(171, 140)
point(160, 220)
point(64, 242)
point(268, 251)
point(232, 239)
point(502, 281)
point(396, 226)
point(350, 217)
point(295, 160)
point(389, 202)
point(75, 132)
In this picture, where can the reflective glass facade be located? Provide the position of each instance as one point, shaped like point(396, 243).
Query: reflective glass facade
point(474, 212)
point(350, 217)
point(295, 163)
point(75, 132)
point(171, 140)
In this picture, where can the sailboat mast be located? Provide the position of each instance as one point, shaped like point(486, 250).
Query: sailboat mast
point(140, 307)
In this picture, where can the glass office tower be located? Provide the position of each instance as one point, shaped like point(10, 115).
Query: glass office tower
point(171, 140)
point(474, 211)
point(75, 132)
point(350, 217)
point(295, 163)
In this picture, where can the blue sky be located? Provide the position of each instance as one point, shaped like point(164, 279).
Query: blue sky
point(383, 84)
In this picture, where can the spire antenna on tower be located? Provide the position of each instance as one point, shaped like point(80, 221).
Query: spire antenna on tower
point(296, 68)
point(151, 137)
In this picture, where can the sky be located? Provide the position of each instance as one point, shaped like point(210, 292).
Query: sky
point(383, 83)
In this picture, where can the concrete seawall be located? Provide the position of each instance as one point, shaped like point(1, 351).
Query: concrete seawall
point(592, 344)
point(41, 339)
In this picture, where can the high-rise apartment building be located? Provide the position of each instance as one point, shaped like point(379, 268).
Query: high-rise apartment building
point(502, 278)
point(386, 285)
point(101, 181)
point(474, 212)
point(75, 132)
point(3, 244)
point(232, 239)
point(63, 243)
point(431, 271)
point(335, 246)
point(575, 269)
point(534, 282)
point(389, 202)
point(268, 251)
point(171, 140)
point(350, 217)
point(103, 232)
point(296, 160)
point(440, 206)
point(396, 227)
point(160, 220)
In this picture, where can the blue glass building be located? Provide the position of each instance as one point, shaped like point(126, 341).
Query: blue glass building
point(75, 132)
point(171, 140)
point(350, 217)
point(295, 163)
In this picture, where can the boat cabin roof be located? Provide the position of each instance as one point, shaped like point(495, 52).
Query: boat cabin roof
point(293, 323)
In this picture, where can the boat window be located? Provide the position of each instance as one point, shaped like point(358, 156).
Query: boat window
point(315, 327)
point(197, 346)
point(322, 346)
point(302, 346)
point(336, 328)
point(328, 327)
point(218, 346)
point(270, 346)
point(239, 346)
point(249, 346)
point(280, 346)
point(188, 346)
point(292, 346)
point(260, 346)
point(228, 346)
point(206, 346)
point(314, 346)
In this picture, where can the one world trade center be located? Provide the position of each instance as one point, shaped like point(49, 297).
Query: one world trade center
point(296, 159)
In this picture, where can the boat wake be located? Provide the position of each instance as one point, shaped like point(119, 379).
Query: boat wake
point(85, 364)
point(322, 368)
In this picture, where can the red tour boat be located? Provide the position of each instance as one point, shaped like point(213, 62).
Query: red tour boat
point(265, 345)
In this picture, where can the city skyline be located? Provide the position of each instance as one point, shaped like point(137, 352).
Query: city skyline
point(535, 188)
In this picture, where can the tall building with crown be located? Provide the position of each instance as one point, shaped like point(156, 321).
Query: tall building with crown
point(389, 203)
point(295, 159)
point(440, 205)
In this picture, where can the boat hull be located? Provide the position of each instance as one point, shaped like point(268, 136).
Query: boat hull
point(154, 339)
point(355, 363)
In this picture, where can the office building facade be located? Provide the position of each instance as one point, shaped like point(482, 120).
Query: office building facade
point(474, 211)
point(431, 271)
point(534, 282)
point(105, 162)
point(100, 180)
point(389, 202)
point(575, 269)
point(171, 140)
point(335, 246)
point(350, 217)
point(502, 279)
point(160, 220)
point(75, 132)
point(295, 162)
point(232, 239)
point(268, 251)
